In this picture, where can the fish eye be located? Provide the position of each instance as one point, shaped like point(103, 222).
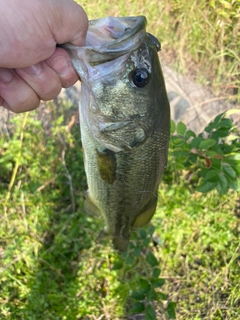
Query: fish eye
point(139, 77)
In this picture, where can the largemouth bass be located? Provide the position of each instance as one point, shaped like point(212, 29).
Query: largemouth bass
point(125, 123)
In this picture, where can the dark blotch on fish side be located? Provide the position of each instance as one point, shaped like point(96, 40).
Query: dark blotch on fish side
point(107, 165)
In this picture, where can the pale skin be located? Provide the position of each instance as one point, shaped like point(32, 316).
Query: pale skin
point(32, 68)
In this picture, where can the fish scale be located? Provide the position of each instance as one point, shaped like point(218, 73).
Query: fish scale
point(125, 123)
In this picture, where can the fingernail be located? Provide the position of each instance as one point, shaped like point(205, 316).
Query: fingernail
point(60, 65)
point(5, 75)
point(33, 70)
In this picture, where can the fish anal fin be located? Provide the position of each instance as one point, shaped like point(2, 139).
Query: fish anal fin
point(146, 214)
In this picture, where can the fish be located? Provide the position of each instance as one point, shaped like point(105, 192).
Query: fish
point(124, 121)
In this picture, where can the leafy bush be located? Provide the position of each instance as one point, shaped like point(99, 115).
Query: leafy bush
point(211, 157)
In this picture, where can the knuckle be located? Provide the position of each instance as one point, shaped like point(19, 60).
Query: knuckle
point(50, 90)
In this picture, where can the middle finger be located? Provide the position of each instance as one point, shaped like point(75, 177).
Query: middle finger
point(42, 79)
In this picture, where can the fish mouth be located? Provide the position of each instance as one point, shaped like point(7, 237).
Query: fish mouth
point(112, 37)
point(109, 38)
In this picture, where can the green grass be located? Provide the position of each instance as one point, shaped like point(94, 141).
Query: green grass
point(51, 266)
point(200, 253)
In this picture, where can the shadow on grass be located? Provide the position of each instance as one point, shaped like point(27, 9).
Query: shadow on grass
point(54, 288)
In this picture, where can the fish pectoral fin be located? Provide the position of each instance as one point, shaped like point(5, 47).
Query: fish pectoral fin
point(90, 207)
point(146, 214)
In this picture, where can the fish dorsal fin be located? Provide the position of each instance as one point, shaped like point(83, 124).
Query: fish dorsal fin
point(146, 214)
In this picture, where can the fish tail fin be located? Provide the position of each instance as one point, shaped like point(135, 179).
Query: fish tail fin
point(120, 244)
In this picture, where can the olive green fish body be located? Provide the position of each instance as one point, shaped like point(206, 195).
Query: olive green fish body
point(124, 119)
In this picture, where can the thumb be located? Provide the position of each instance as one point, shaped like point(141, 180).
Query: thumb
point(69, 23)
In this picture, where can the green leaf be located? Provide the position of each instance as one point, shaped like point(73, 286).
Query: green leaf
point(206, 144)
point(227, 148)
point(117, 265)
point(206, 186)
point(234, 162)
point(137, 296)
point(195, 142)
point(209, 127)
point(173, 127)
point(228, 170)
point(151, 295)
point(211, 153)
point(162, 296)
point(212, 175)
point(225, 123)
point(234, 157)
point(158, 283)
point(218, 149)
point(143, 233)
point(220, 133)
point(137, 308)
point(232, 137)
point(180, 153)
point(171, 310)
point(218, 118)
point(181, 128)
point(231, 111)
point(129, 260)
point(150, 313)
point(156, 272)
point(189, 134)
point(146, 242)
point(222, 186)
point(151, 259)
point(233, 185)
point(136, 251)
point(144, 286)
point(178, 166)
point(151, 230)
point(177, 141)
point(192, 157)
point(216, 163)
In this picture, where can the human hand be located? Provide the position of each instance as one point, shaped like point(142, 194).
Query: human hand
point(31, 67)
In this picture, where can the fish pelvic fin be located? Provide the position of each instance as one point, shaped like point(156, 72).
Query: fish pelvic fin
point(146, 214)
point(90, 207)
